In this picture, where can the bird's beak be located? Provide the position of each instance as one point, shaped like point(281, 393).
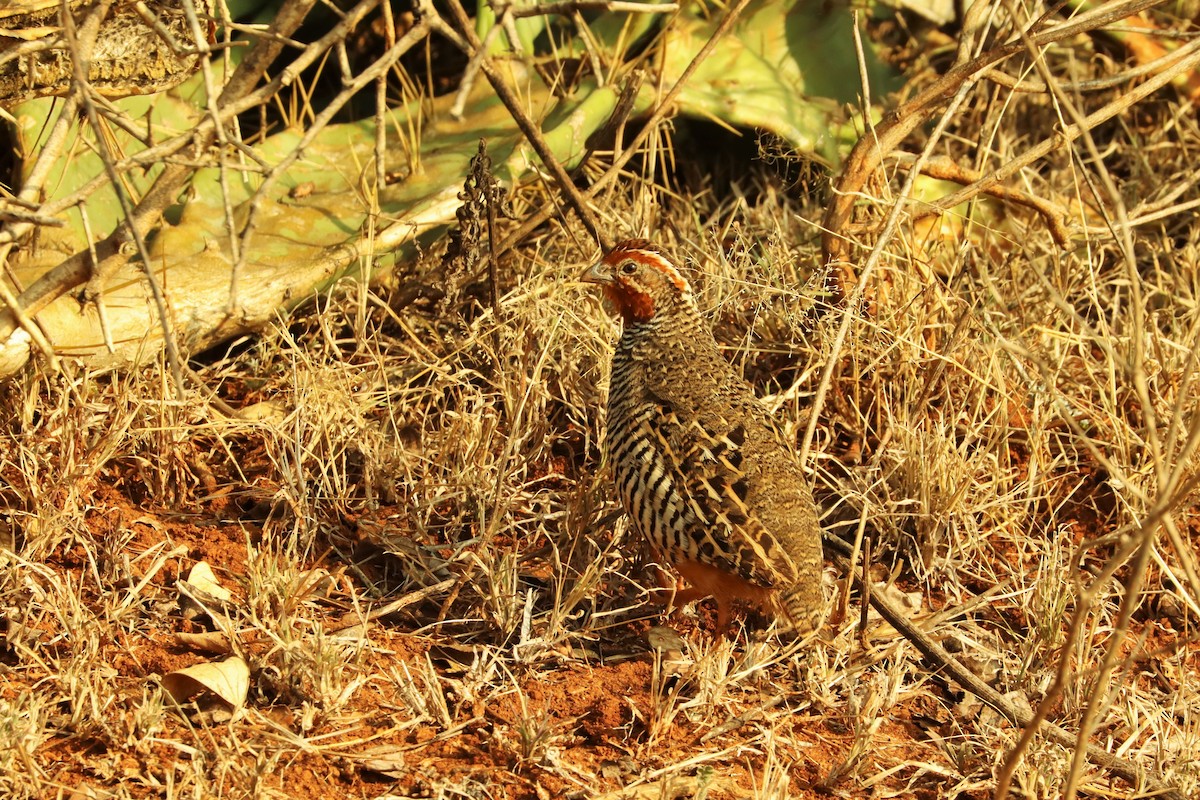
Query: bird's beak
point(597, 273)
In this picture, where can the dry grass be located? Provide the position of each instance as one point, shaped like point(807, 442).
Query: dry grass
point(1012, 426)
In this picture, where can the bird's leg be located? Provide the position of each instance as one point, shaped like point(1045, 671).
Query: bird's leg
point(666, 586)
point(723, 627)
point(703, 581)
point(709, 581)
point(670, 591)
point(688, 595)
point(694, 594)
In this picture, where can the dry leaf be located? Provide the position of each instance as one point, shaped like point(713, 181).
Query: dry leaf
point(201, 594)
point(228, 680)
point(212, 642)
point(203, 579)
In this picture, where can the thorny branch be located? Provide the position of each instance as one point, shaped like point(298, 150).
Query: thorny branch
point(528, 127)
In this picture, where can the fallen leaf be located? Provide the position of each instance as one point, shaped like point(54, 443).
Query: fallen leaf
point(228, 680)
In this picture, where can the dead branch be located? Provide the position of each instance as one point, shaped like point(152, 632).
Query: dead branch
point(474, 48)
point(944, 665)
point(944, 169)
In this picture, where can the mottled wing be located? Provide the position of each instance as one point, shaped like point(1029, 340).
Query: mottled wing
point(714, 483)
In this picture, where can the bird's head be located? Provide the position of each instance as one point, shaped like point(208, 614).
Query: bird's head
point(640, 280)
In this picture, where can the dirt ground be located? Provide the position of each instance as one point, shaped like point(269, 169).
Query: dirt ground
point(422, 586)
point(568, 724)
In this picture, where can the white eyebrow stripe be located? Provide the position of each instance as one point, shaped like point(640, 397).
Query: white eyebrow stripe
point(681, 283)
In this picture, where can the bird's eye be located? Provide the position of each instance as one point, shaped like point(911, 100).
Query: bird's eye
point(629, 268)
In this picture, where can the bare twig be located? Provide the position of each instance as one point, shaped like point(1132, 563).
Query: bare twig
point(944, 664)
point(1030, 86)
point(575, 6)
point(869, 152)
point(529, 129)
point(8, 212)
point(399, 604)
point(664, 108)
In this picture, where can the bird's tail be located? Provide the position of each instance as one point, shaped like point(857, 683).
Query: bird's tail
point(802, 606)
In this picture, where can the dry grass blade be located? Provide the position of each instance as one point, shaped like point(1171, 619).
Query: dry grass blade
point(406, 520)
point(945, 665)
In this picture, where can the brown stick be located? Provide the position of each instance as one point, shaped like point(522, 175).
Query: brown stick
point(529, 128)
point(944, 169)
point(945, 665)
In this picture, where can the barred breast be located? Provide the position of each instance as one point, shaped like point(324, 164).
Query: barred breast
point(646, 479)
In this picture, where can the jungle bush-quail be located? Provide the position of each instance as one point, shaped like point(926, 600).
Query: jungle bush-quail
point(701, 468)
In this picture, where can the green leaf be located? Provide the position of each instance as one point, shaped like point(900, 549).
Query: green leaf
point(786, 67)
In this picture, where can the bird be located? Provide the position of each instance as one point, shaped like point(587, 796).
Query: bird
point(701, 468)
